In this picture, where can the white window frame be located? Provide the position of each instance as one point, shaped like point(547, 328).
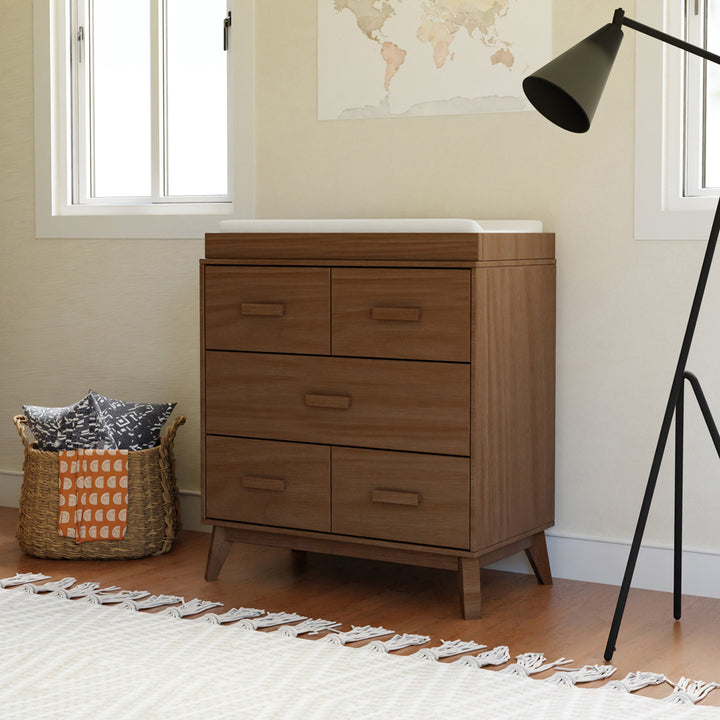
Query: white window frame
point(56, 217)
point(662, 211)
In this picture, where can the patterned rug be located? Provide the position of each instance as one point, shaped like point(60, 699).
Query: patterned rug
point(71, 649)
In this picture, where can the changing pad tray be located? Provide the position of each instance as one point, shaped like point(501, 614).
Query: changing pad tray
point(380, 225)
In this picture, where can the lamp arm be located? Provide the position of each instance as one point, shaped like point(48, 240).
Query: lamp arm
point(620, 19)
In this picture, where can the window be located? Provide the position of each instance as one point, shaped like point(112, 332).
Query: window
point(149, 101)
point(677, 166)
point(144, 126)
point(702, 93)
point(712, 94)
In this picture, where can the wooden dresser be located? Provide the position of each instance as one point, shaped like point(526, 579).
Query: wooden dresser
point(386, 396)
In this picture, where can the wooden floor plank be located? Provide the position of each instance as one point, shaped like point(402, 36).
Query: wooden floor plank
point(568, 618)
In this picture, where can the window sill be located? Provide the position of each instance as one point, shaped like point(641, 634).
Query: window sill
point(133, 221)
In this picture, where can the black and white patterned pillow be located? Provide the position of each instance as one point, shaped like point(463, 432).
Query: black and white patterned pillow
point(65, 428)
point(130, 425)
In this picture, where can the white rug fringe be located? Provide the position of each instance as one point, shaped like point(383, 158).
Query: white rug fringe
point(232, 615)
point(689, 692)
point(636, 681)
point(587, 673)
point(686, 692)
point(397, 642)
point(192, 607)
point(113, 598)
point(22, 579)
point(358, 633)
point(531, 664)
point(47, 587)
point(447, 649)
point(309, 627)
point(153, 601)
point(82, 591)
point(499, 655)
point(270, 620)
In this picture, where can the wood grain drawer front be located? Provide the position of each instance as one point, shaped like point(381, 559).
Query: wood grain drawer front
point(421, 314)
point(268, 309)
point(269, 483)
point(392, 404)
point(408, 497)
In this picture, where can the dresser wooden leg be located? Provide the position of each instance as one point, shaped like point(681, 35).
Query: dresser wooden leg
point(469, 586)
point(537, 554)
point(219, 548)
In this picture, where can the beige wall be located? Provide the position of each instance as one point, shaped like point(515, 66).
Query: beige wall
point(117, 316)
point(622, 304)
point(121, 316)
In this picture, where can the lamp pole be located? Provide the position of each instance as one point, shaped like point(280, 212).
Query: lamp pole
point(674, 405)
point(620, 19)
point(567, 91)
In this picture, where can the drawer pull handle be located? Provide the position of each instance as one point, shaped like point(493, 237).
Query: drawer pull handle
point(258, 482)
point(335, 402)
point(395, 497)
point(263, 309)
point(396, 313)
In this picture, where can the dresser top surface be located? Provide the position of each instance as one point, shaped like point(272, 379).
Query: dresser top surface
point(391, 246)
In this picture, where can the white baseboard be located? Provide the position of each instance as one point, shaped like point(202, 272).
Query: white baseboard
point(190, 511)
point(603, 561)
point(572, 557)
point(11, 482)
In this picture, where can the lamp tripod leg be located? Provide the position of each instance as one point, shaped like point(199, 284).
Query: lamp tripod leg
point(712, 428)
point(640, 527)
point(705, 410)
point(677, 545)
point(675, 391)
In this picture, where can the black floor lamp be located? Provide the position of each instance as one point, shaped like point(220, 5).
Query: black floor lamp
point(567, 91)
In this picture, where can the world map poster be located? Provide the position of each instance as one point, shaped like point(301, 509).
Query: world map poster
point(405, 58)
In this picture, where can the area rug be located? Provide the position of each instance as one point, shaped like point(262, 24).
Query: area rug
point(78, 650)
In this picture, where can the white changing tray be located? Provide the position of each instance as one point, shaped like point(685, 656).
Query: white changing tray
point(389, 225)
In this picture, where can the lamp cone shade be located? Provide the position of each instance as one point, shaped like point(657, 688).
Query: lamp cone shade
point(567, 90)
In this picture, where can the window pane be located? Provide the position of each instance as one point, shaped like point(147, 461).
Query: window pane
point(712, 112)
point(196, 121)
point(121, 121)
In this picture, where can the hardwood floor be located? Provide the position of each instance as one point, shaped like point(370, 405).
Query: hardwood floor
point(569, 619)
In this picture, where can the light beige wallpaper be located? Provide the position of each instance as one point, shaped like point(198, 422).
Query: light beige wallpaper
point(121, 316)
point(118, 316)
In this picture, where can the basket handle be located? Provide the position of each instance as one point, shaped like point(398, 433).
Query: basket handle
point(169, 436)
point(20, 423)
point(167, 480)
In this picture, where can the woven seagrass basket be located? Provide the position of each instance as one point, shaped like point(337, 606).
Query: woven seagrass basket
point(153, 504)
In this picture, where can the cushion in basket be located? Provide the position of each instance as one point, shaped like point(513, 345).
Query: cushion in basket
point(65, 428)
point(130, 425)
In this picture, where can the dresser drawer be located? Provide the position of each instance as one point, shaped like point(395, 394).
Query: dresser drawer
point(269, 483)
point(407, 497)
point(267, 309)
point(392, 404)
point(412, 313)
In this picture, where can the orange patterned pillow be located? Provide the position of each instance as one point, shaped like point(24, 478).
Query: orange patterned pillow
point(93, 494)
